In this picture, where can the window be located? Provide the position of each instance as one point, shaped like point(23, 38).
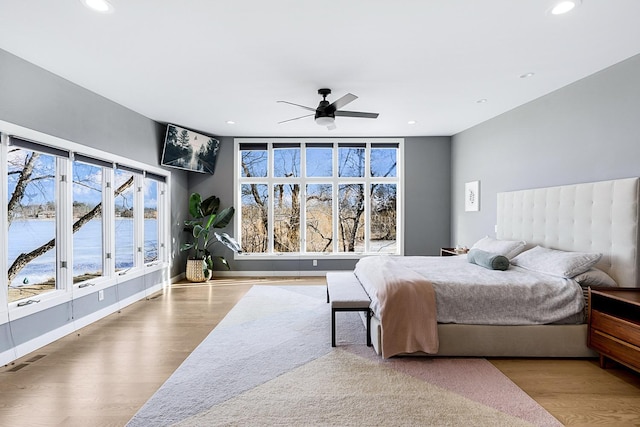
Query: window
point(32, 220)
point(73, 220)
point(152, 195)
point(315, 197)
point(124, 219)
point(88, 238)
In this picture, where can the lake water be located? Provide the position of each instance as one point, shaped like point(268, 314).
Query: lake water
point(26, 235)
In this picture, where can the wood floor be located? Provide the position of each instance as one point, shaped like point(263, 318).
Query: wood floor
point(104, 374)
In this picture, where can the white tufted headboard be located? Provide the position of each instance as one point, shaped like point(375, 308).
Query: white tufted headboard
point(592, 217)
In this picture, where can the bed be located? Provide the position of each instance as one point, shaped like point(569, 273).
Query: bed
point(599, 217)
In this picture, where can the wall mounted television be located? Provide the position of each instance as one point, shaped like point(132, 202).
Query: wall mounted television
point(189, 150)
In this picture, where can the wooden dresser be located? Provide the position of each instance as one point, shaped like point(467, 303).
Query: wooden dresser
point(614, 325)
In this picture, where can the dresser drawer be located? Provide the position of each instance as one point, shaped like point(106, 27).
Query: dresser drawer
point(619, 328)
point(615, 349)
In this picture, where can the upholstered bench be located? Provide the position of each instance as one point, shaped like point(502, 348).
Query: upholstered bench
point(345, 293)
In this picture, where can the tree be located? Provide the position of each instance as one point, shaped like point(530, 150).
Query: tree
point(172, 134)
point(26, 176)
point(183, 138)
point(260, 208)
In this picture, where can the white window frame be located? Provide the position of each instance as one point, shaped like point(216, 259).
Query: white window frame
point(334, 180)
point(161, 218)
point(65, 289)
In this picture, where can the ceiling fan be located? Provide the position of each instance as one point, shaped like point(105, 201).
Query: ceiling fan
point(325, 114)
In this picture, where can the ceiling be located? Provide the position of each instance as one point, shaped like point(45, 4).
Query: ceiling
point(201, 63)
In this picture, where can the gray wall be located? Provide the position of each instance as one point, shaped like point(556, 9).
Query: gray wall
point(587, 131)
point(427, 195)
point(37, 99)
point(427, 203)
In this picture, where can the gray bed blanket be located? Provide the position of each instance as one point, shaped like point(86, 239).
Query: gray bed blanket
point(470, 294)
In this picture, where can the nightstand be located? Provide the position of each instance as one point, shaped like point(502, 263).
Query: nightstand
point(614, 325)
point(452, 251)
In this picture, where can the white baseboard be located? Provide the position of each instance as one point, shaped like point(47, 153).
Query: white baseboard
point(306, 273)
point(40, 341)
point(177, 278)
point(102, 313)
point(8, 356)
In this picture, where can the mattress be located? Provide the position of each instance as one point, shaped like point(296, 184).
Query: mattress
point(470, 294)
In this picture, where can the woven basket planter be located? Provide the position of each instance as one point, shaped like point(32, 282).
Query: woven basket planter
point(195, 271)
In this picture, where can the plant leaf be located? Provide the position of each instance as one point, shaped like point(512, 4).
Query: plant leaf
point(210, 205)
point(229, 242)
point(197, 230)
point(195, 205)
point(187, 246)
point(224, 262)
point(224, 217)
point(210, 221)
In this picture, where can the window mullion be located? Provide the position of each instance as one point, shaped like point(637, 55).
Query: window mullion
point(270, 197)
point(367, 197)
point(400, 200)
point(64, 224)
point(108, 221)
point(303, 198)
point(4, 221)
point(162, 222)
point(335, 196)
point(138, 220)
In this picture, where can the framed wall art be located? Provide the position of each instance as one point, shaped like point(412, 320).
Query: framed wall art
point(472, 196)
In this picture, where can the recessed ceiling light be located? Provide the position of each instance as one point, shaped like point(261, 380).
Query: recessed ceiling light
point(482, 101)
point(527, 75)
point(564, 6)
point(102, 6)
point(231, 122)
point(411, 122)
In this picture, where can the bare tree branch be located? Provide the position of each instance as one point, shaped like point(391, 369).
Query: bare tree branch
point(23, 259)
point(21, 185)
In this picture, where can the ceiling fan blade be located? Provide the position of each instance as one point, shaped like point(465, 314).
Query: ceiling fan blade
point(301, 117)
point(341, 102)
point(298, 105)
point(356, 114)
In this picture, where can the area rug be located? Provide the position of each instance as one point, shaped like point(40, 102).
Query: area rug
point(270, 362)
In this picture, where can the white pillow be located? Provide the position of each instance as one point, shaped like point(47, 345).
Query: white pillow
point(507, 248)
point(594, 277)
point(555, 262)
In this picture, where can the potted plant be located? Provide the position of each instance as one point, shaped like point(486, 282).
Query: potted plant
point(205, 219)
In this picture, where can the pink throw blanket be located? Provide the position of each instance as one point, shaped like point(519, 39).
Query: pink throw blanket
point(406, 306)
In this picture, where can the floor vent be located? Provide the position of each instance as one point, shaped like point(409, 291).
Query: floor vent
point(26, 363)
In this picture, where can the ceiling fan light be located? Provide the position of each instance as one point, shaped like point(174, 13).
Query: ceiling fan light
point(325, 120)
